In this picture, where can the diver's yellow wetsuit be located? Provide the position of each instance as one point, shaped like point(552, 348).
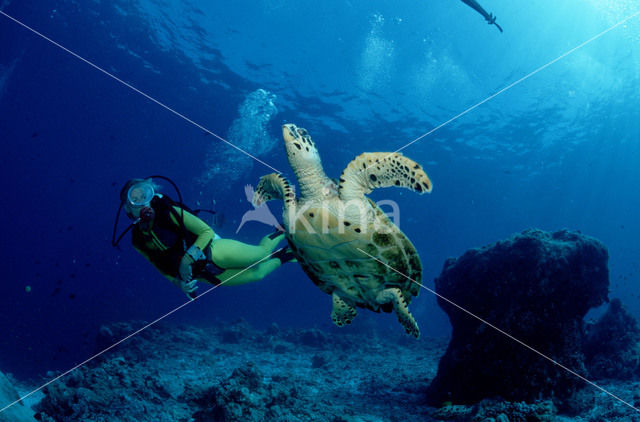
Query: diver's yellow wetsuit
point(228, 261)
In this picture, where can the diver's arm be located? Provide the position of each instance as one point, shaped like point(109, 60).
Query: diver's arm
point(195, 252)
point(196, 226)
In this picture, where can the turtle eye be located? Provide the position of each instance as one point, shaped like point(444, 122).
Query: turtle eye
point(303, 132)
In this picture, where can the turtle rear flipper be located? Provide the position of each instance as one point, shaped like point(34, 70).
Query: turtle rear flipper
point(371, 170)
point(342, 313)
point(394, 295)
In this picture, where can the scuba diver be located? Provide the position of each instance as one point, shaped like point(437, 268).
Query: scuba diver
point(488, 16)
point(184, 248)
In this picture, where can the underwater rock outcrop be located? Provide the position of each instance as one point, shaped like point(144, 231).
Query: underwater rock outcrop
point(537, 287)
point(612, 345)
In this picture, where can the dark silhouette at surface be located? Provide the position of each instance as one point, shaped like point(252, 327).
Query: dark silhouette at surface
point(489, 17)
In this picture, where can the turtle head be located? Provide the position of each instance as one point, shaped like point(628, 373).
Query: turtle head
point(301, 150)
point(305, 161)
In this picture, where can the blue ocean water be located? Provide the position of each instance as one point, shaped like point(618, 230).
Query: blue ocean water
point(558, 149)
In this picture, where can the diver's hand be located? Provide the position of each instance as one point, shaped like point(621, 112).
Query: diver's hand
point(185, 270)
point(189, 288)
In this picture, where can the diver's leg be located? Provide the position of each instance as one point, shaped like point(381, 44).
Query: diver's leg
point(229, 253)
point(235, 276)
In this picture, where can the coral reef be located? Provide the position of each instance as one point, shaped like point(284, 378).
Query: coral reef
point(189, 374)
point(232, 372)
point(498, 411)
point(246, 396)
point(535, 286)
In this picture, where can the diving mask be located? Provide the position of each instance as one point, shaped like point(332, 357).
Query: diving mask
point(139, 196)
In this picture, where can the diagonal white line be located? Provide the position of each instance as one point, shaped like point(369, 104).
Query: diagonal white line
point(508, 87)
point(136, 332)
point(166, 107)
point(502, 332)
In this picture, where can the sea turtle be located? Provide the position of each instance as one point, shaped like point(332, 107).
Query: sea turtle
point(344, 242)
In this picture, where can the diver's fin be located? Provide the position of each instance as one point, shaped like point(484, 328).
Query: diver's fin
point(276, 233)
point(284, 255)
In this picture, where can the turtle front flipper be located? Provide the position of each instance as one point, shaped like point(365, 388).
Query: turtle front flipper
point(342, 313)
point(372, 170)
point(394, 295)
point(273, 186)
